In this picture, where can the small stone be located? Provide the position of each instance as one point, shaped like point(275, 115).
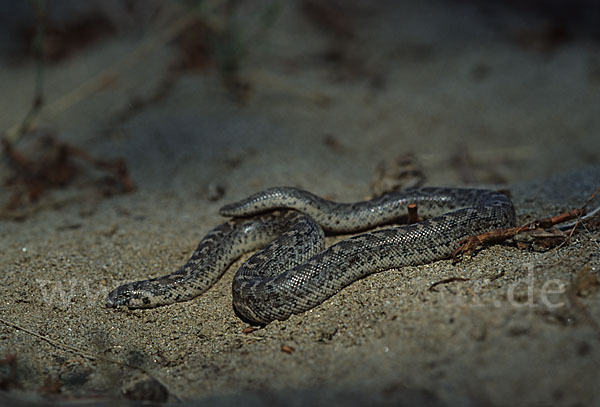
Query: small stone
point(145, 388)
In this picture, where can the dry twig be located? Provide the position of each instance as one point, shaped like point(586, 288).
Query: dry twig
point(85, 354)
point(446, 281)
point(468, 245)
point(413, 213)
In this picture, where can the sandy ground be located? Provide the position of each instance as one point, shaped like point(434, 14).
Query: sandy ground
point(450, 85)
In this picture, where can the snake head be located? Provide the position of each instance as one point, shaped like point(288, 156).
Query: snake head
point(129, 295)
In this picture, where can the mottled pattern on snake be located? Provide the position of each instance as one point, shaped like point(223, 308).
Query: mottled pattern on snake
point(293, 273)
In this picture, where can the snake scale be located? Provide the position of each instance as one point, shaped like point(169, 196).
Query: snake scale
point(293, 272)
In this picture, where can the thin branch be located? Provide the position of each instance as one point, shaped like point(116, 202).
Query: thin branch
point(86, 354)
point(469, 244)
point(108, 75)
point(446, 281)
point(38, 49)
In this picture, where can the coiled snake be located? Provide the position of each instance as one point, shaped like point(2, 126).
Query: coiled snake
point(294, 273)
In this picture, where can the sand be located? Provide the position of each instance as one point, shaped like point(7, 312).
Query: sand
point(516, 327)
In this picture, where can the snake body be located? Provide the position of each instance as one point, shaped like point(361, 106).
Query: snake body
point(293, 272)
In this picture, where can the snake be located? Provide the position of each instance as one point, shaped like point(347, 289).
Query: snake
point(293, 272)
